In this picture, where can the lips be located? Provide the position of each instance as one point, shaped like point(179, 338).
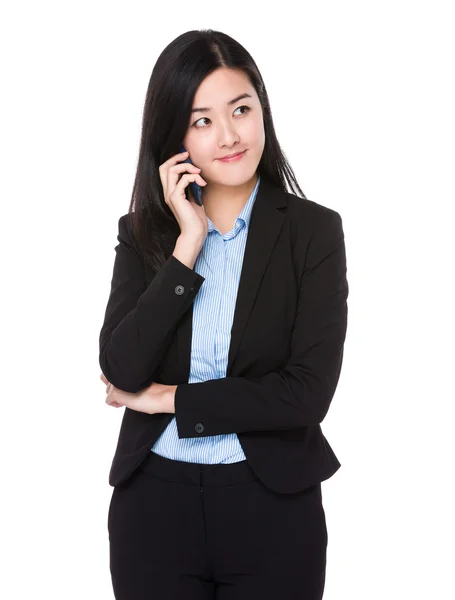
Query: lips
point(230, 157)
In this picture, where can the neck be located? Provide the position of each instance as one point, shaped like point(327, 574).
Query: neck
point(225, 203)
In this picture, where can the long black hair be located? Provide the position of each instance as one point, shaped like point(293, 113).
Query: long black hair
point(176, 76)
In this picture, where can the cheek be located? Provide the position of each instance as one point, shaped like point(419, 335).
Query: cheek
point(204, 156)
point(259, 128)
point(253, 134)
point(200, 149)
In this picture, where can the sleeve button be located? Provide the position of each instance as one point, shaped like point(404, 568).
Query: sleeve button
point(199, 428)
point(179, 289)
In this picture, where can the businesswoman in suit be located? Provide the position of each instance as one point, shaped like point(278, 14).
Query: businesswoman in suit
point(223, 339)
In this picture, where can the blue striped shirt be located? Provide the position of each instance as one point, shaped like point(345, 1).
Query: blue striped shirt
point(220, 262)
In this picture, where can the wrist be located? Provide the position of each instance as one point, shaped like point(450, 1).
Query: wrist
point(186, 251)
point(170, 399)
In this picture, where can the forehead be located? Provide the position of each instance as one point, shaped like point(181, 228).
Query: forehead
point(222, 85)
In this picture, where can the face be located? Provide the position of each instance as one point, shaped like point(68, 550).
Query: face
point(225, 127)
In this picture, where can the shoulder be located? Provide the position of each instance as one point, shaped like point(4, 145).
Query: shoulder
point(309, 210)
point(308, 217)
point(125, 229)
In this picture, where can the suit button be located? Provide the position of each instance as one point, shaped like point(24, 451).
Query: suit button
point(179, 289)
point(199, 428)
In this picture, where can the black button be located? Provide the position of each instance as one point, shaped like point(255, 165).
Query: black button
point(179, 289)
point(199, 428)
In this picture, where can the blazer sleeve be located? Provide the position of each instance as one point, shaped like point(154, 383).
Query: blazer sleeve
point(140, 319)
point(299, 394)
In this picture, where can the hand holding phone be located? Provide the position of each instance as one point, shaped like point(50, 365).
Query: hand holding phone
point(176, 175)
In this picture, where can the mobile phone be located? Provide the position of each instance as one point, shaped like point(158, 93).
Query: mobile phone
point(194, 187)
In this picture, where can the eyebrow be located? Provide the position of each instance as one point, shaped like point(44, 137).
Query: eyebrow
point(241, 97)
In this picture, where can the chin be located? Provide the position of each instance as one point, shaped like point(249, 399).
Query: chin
point(234, 178)
point(232, 181)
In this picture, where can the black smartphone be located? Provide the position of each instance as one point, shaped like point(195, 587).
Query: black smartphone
point(195, 188)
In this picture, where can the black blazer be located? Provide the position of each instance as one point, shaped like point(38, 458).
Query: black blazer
point(286, 346)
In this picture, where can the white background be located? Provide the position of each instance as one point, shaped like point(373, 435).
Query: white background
point(362, 96)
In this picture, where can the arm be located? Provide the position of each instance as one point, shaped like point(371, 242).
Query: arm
point(299, 394)
point(140, 320)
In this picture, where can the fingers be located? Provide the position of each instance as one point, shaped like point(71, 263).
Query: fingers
point(109, 388)
point(108, 383)
point(170, 172)
point(181, 167)
point(174, 159)
point(113, 403)
point(179, 190)
point(164, 168)
point(173, 175)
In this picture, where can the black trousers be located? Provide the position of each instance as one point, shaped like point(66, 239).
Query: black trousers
point(188, 531)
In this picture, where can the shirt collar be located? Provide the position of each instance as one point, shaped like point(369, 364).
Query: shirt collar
point(245, 215)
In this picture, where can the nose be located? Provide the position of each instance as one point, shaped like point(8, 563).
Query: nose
point(227, 135)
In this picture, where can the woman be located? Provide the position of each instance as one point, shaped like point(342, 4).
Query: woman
point(223, 339)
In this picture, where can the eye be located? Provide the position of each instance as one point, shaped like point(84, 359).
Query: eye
point(244, 106)
point(196, 122)
point(207, 119)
